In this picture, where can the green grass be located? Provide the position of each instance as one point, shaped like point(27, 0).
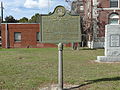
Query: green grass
point(28, 69)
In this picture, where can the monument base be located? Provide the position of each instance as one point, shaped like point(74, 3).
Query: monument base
point(108, 59)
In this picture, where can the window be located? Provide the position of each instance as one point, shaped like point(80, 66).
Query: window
point(114, 19)
point(114, 3)
point(17, 36)
point(38, 36)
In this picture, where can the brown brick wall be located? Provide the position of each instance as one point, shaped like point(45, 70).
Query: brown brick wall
point(104, 3)
point(103, 16)
point(28, 36)
point(104, 19)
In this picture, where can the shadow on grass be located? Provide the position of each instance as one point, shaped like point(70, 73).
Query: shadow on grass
point(95, 81)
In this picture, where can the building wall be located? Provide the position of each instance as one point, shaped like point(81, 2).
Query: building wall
point(103, 11)
point(28, 36)
point(104, 19)
point(104, 3)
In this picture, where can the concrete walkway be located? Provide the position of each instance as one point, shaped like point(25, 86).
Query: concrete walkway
point(55, 87)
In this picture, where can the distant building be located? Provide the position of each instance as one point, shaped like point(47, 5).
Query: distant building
point(98, 13)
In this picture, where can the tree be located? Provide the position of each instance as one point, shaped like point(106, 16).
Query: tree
point(23, 20)
point(35, 18)
point(10, 19)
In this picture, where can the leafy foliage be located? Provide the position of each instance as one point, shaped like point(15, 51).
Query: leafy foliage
point(23, 20)
point(35, 18)
point(10, 19)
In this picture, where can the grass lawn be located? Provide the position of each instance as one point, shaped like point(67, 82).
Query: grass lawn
point(27, 69)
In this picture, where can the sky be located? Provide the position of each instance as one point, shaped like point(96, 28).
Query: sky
point(27, 8)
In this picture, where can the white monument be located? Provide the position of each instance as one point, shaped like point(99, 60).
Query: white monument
point(112, 44)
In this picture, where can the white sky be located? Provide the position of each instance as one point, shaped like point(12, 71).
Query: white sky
point(27, 8)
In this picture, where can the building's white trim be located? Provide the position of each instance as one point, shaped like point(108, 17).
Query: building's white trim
point(114, 16)
point(108, 8)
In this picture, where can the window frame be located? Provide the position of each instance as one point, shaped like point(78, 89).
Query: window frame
point(18, 38)
point(114, 6)
point(38, 36)
point(111, 18)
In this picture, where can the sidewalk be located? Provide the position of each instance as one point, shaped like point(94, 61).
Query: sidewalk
point(66, 87)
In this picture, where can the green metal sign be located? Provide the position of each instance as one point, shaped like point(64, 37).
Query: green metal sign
point(60, 26)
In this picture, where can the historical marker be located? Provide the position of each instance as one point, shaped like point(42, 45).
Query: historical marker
point(60, 27)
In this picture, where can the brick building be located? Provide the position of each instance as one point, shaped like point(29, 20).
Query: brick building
point(98, 13)
point(22, 36)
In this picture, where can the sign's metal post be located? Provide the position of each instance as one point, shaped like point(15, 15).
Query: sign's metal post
point(60, 66)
